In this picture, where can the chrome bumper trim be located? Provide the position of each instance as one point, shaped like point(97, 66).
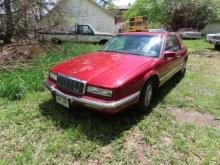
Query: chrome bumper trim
point(213, 41)
point(92, 103)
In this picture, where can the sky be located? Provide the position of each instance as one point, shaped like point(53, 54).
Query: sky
point(123, 2)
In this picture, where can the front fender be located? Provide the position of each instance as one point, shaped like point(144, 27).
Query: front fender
point(149, 75)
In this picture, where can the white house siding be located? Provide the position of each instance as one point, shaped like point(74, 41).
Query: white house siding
point(212, 28)
point(86, 12)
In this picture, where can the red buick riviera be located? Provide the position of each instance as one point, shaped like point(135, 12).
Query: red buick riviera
point(125, 72)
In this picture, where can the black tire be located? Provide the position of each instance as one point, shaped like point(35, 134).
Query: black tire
point(183, 69)
point(56, 41)
point(103, 42)
point(217, 47)
point(146, 96)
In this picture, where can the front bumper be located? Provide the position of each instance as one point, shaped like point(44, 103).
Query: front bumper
point(213, 41)
point(105, 106)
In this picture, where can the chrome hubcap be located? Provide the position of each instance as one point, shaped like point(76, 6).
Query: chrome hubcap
point(148, 95)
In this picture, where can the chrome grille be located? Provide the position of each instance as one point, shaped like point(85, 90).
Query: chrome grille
point(71, 85)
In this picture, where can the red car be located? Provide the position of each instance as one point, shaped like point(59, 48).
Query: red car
point(125, 72)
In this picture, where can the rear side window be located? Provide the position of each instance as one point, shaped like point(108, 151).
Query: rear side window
point(172, 43)
point(84, 30)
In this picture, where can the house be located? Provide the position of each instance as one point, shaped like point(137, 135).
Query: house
point(68, 13)
point(212, 28)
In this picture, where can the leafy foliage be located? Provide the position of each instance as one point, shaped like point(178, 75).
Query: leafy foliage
point(151, 8)
point(177, 13)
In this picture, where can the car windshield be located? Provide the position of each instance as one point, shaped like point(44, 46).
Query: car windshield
point(143, 45)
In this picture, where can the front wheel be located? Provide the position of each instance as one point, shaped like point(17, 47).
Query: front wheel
point(103, 42)
point(146, 96)
point(217, 47)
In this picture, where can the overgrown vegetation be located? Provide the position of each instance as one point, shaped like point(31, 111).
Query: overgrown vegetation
point(36, 130)
point(18, 81)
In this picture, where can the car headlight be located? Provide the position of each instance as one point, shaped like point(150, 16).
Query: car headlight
point(53, 76)
point(99, 91)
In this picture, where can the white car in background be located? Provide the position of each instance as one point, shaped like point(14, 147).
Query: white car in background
point(189, 33)
point(214, 39)
point(84, 33)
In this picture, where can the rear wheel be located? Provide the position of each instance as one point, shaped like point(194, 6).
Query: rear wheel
point(146, 96)
point(56, 41)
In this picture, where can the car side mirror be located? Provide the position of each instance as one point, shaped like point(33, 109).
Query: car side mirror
point(169, 54)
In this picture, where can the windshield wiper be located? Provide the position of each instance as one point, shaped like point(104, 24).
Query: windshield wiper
point(116, 51)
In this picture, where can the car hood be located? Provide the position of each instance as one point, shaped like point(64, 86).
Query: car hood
point(106, 69)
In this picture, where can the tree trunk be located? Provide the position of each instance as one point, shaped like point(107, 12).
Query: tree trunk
point(9, 21)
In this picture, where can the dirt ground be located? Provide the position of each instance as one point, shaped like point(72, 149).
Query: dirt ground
point(134, 143)
point(208, 53)
point(194, 117)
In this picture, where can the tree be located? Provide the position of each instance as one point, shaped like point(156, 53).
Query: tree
point(176, 13)
point(18, 18)
point(153, 9)
point(9, 20)
point(109, 5)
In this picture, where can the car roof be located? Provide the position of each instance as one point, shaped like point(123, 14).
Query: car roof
point(147, 33)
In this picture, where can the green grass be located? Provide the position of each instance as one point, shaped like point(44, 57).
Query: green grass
point(195, 45)
point(18, 82)
point(35, 130)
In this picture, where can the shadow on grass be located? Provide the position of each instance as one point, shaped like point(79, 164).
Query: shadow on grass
point(97, 126)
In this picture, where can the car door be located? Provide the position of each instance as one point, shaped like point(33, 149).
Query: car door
point(170, 65)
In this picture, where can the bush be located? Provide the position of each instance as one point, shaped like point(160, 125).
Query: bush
point(15, 83)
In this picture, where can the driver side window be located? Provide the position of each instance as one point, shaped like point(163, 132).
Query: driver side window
point(172, 43)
